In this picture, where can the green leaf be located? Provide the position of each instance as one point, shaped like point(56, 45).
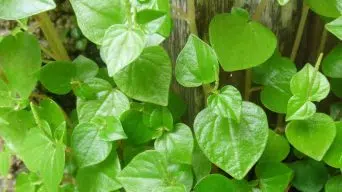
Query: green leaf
point(336, 111)
point(19, 9)
point(5, 162)
point(20, 62)
point(277, 148)
point(201, 166)
point(23, 183)
point(56, 76)
point(299, 109)
point(332, 63)
point(312, 136)
point(196, 64)
point(283, 2)
point(227, 103)
point(100, 177)
point(227, 31)
point(309, 175)
point(335, 27)
point(336, 86)
point(177, 145)
point(110, 128)
point(215, 182)
point(112, 103)
point(234, 147)
point(161, 120)
point(91, 89)
point(310, 84)
point(149, 171)
point(136, 130)
point(334, 155)
point(177, 107)
point(121, 46)
point(327, 8)
point(275, 98)
point(334, 184)
point(242, 186)
point(85, 68)
point(88, 148)
point(95, 17)
point(148, 78)
point(273, 176)
point(179, 188)
point(42, 155)
point(151, 20)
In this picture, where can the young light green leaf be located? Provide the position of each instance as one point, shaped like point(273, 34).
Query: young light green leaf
point(273, 176)
point(149, 171)
point(332, 63)
point(148, 78)
point(312, 136)
point(177, 145)
point(20, 63)
point(44, 156)
point(309, 175)
point(121, 46)
point(234, 147)
point(201, 166)
point(110, 128)
point(56, 76)
point(277, 148)
point(19, 9)
point(334, 184)
point(100, 177)
point(336, 85)
point(299, 109)
point(215, 182)
point(88, 148)
point(95, 17)
point(196, 64)
point(334, 155)
point(5, 162)
point(227, 103)
point(283, 2)
point(85, 68)
point(227, 31)
point(112, 103)
point(335, 27)
point(310, 84)
point(326, 8)
point(91, 89)
point(23, 183)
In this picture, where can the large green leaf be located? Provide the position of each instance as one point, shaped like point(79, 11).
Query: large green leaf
point(312, 136)
point(334, 184)
point(273, 176)
point(44, 156)
point(148, 78)
point(88, 148)
point(56, 76)
point(95, 17)
point(215, 182)
point(335, 27)
point(121, 46)
point(327, 8)
point(332, 63)
point(112, 103)
point(309, 175)
point(100, 177)
point(20, 63)
point(177, 145)
point(196, 64)
point(277, 148)
point(19, 9)
point(201, 166)
point(149, 171)
point(227, 31)
point(226, 103)
point(234, 147)
point(334, 155)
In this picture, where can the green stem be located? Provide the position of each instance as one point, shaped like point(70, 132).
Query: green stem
point(52, 36)
point(323, 41)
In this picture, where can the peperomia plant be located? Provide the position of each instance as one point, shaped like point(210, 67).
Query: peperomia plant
point(124, 131)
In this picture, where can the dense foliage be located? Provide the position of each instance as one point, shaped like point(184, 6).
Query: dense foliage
point(126, 132)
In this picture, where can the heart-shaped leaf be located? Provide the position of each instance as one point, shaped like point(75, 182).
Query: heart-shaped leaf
point(215, 182)
point(196, 64)
point(121, 46)
point(85, 68)
point(227, 31)
point(148, 78)
point(334, 155)
point(177, 145)
point(299, 109)
point(234, 147)
point(332, 63)
point(110, 128)
point(227, 103)
point(312, 136)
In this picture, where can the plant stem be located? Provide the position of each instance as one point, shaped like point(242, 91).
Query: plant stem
point(322, 42)
point(52, 36)
point(300, 31)
point(248, 75)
